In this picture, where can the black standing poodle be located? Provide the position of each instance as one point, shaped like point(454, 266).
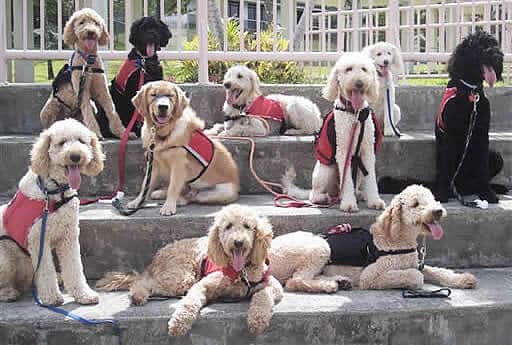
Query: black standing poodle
point(477, 58)
point(147, 35)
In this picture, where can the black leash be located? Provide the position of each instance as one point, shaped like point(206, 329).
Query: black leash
point(356, 162)
point(388, 101)
point(116, 202)
point(421, 293)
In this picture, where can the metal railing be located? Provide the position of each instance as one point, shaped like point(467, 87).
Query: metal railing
point(316, 31)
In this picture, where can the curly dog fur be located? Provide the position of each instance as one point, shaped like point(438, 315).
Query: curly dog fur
point(66, 145)
point(353, 73)
point(176, 268)
point(300, 256)
point(301, 116)
point(147, 35)
point(389, 65)
point(84, 31)
point(166, 110)
point(477, 58)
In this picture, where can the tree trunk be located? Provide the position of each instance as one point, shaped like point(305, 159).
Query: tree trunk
point(215, 22)
point(268, 13)
point(51, 75)
point(300, 29)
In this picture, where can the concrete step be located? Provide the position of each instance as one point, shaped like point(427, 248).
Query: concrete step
point(469, 317)
point(419, 104)
point(410, 156)
point(109, 241)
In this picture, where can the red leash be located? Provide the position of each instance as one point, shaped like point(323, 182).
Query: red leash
point(122, 153)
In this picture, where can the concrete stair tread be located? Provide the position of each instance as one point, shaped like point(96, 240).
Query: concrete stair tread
point(344, 314)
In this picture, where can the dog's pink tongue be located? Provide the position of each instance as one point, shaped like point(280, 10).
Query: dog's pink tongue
point(90, 44)
point(230, 97)
point(357, 99)
point(74, 178)
point(150, 49)
point(436, 230)
point(385, 71)
point(489, 75)
point(238, 259)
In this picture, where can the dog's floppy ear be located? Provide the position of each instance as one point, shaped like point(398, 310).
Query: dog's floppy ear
point(388, 223)
point(330, 91)
point(69, 32)
point(139, 101)
point(255, 81)
point(215, 250)
point(96, 164)
point(183, 101)
point(39, 156)
point(134, 29)
point(165, 33)
point(397, 65)
point(262, 241)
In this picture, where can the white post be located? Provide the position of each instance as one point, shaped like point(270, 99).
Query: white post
point(3, 35)
point(356, 25)
point(202, 28)
point(393, 23)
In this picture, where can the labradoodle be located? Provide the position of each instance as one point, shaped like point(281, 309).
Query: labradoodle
point(389, 64)
point(61, 154)
point(83, 79)
point(228, 264)
point(339, 170)
point(307, 262)
point(249, 113)
point(147, 35)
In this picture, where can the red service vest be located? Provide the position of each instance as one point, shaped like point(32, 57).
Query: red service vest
point(266, 108)
point(449, 94)
point(202, 149)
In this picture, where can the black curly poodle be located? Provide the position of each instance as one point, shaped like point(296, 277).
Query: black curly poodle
point(147, 35)
point(477, 58)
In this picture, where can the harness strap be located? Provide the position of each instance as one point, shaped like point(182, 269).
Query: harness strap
point(87, 69)
point(390, 117)
point(396, 251)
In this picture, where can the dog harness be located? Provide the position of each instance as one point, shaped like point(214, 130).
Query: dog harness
point(208, 267)
point(325, 142)
point(449, 94)
point(355, 247)
point(129, 67)
point(22, 212)
point(201, 147)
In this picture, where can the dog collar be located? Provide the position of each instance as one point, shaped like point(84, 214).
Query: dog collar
point(468, 85)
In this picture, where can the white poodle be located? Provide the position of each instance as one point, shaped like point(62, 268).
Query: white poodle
point(351, 85)
point(389, 64)
point(249, 113)
point(61, 154)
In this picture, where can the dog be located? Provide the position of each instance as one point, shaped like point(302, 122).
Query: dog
point(83, 79)
point(306, 262)
point(188, 166)
point(389, 64)
point(249, 113)
point(352, 84)
point(60, 155)
point(238, 241)
point(147, 35)
point(477, 58)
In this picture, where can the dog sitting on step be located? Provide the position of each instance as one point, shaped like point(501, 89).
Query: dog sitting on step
point(147, 35)
point(248, 113)
point(60, 155)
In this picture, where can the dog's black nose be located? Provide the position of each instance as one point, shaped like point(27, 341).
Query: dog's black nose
point(163, 107)
point(359, 84)
point(227, 85)
point(238, 244)
point(386, 62)
point(75, 157)
point(437, 213)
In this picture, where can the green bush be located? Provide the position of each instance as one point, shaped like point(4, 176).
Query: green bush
point(268, 71)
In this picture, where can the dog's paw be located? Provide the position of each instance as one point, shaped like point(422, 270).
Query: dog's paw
point(168, 209)
point(176, 329)
point(132, 204)
point(138, 298)
point(349, 207)
point(257, 323)
point(377, 204)
point(88, 297)
point(52, 300)
point(466, 281)
point(159, 194)
point(490, 196)
point(344, 283)
point(9, 295)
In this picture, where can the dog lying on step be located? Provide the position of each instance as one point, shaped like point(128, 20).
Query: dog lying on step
point(303, 261)
point(60, 155)
point(248, 113)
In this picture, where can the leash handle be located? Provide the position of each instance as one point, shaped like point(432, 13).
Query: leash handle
point(420, 293)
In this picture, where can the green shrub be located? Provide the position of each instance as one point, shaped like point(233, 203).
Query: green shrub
point(268, 71)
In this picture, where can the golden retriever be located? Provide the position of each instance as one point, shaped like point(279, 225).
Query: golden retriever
point(182, 173)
